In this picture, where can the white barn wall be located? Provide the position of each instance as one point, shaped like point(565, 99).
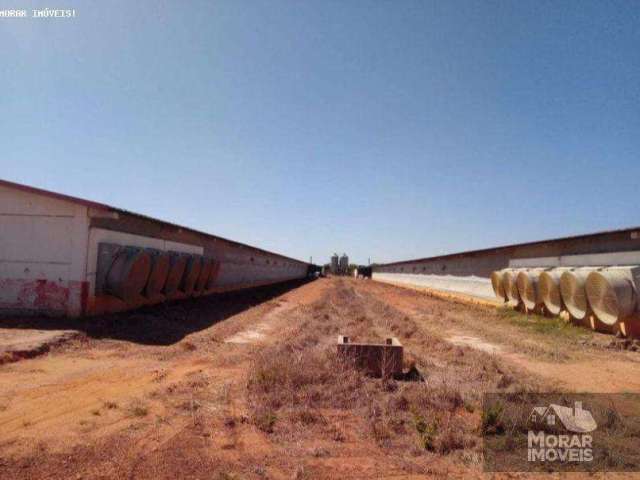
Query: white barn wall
point(49, 249)
point(42, 253)
point(468, 285)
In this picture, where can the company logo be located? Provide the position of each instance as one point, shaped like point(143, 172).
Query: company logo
point(546, 444)
point(560, 432)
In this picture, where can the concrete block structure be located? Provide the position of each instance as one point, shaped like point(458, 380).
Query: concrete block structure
point(66, 256)
point(378, 360)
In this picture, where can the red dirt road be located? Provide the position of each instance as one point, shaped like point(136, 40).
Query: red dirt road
point(163, 393)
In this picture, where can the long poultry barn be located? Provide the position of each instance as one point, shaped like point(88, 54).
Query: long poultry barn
point(66, 256)
point(593, 279)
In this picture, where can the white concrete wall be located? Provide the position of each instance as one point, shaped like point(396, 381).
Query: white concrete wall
point(43, 247)
point(470, 285)
point(592, 259)
point(238, 269)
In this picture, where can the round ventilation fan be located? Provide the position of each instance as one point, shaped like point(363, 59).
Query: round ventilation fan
point(611, 294)
point(572, 289)
point(527, 282)
point(549, 290)
point(496, 283)
point(510, 286)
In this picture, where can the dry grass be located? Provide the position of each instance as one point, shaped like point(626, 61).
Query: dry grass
point(289, 390)
point(548, 338)
point(137, 409)
point(311, 378)
point(188, 346)
point(296, 388)
point(110, 405)
point(291, 410)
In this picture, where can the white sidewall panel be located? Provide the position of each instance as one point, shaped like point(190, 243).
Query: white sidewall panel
point(43, 246)
point(475, 286)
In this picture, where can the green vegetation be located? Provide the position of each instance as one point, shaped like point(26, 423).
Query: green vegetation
point(137, 409)
point(539, 324)
point(491, 422)
point(427, 432)
point(265, 421)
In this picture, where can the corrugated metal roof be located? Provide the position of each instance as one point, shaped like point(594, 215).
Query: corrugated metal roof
point(57, 196)
point(514, 245)
point(105, 207)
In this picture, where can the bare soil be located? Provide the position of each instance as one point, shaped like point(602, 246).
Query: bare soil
point(248, 386)
point(23, 343)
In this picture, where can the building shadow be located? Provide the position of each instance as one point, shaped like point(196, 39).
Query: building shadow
point(163, 324)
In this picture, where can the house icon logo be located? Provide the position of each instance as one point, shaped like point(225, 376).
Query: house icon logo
point(576, 419)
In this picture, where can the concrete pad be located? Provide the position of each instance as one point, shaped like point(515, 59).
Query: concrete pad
point(378, 360)
point(474, 342)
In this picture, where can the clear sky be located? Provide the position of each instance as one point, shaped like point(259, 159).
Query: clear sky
point(384, 129)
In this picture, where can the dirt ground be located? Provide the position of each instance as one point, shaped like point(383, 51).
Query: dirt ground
point(243, 386)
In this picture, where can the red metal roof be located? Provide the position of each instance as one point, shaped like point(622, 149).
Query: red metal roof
point(102, 206)
point(513, 245)
point(57, 196)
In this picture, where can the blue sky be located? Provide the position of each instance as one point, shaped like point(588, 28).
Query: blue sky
point(388, 129)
